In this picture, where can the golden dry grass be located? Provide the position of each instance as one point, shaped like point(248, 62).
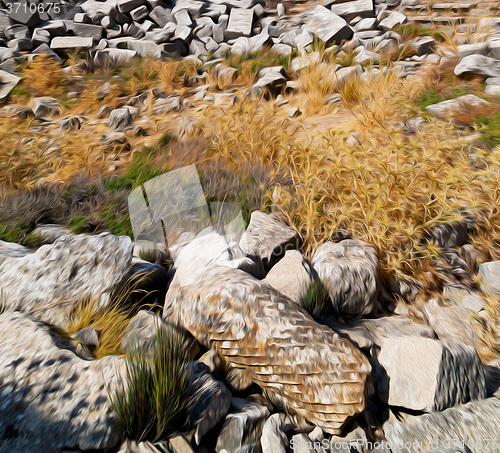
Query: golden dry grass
point(367, 177)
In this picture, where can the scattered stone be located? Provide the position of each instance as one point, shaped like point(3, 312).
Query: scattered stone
point(478, 65)
point(41, 375)
point(242, 427)
point(472, 424)
point(392, 20)
point(71, 43)
point(446, 108)
point(209, 401)
point(46, 106)
point(422, 45)
point(68, 124)
point(327, 26)
point(351, 9)
point(270, 84)
point(425, 375)
point(7, 83)
point(489, 274)
point(267, 239)
point(50, 281)
point(349, 270)
point(465, 297)
point(240, 23)
point(87, 337)
point(291, 275)
point(122, 118)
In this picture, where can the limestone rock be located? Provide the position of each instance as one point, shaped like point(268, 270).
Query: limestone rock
point(268, 239)
point(122, 118)
point(476, 424)
point(12, 250)
point(392, 20)
point(350, 10)
point(209, 401)
point(71, 42)
point(423, 374)
point(46, 106)
point(271, 83)
point(50, 281)
point(242, 427)
point(445, 108)
point(291, 275)
point(478, 65)
point(327, 26)
point(349, 270)
point(490, 277)
point(52, 399)
point(240, 23)
point(222, 308)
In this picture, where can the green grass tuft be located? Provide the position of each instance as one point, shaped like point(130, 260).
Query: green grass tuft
point(316, 299)
point(149, 405)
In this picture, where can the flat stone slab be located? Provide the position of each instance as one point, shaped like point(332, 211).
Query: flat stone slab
point(71, 42)
point(328, 26)
point(478, 65)
point(240, 23)
point(7, 83)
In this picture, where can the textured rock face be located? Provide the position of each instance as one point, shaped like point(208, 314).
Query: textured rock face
point(478, 65)
point(291, 275)
point(242, 427)
point(423, 374)
point(268, 239)
point(298, 363)
point(49, 282)
point(477, 424)
point(445, 108)
point(349, 269)
point(490, 275)
point(51, 399)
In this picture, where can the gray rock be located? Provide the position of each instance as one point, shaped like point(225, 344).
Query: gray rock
point(293, 112)
point(133, 31)
point(50, 281)
point(12, 250)
point(464, 297)
point(51, 398)
point(71, 42)
point(349, 270)
point(352, 9)
point(17, 31)
point(107, 22)
point(7, 83)
point(183, 32)
point(476, 424)
point(88, 337)
point(291, 275)
point(179, 444)
point(110, 58)
point(161, 16)
point(239, 316)
point(327, 26)
point(282, 49)
point(208, 399)
point(478, 65)
point(242, 427)
point(267, 238)
point(193, 7)
point(49, 233)
point(71, 123)
point(446, 108)
point(145, 48)
point(82, 18)
point(240, 23)
point(84, 31)
point(131, 446)
point(40, 37)
point(422, 45)
point(141, 332)
point(140, 13)
point(23, 14)
point(478, 48)
point(393, 20)
point(425, 375)
point(46, 106)
point(171, 103)
point(274, 434)
point(122, 118)
point(20, 44)
point(489, 274)
point(125, 6)
point(368, 23)
point(453, 323)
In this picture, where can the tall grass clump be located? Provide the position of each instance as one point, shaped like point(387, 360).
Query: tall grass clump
point(149, 403)
point(316, 299)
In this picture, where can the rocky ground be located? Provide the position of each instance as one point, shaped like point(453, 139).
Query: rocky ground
point(359, 311)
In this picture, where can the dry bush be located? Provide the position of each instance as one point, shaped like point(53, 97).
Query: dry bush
point(45, 77)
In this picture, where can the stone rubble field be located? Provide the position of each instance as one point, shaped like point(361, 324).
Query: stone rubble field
point(265, 371)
